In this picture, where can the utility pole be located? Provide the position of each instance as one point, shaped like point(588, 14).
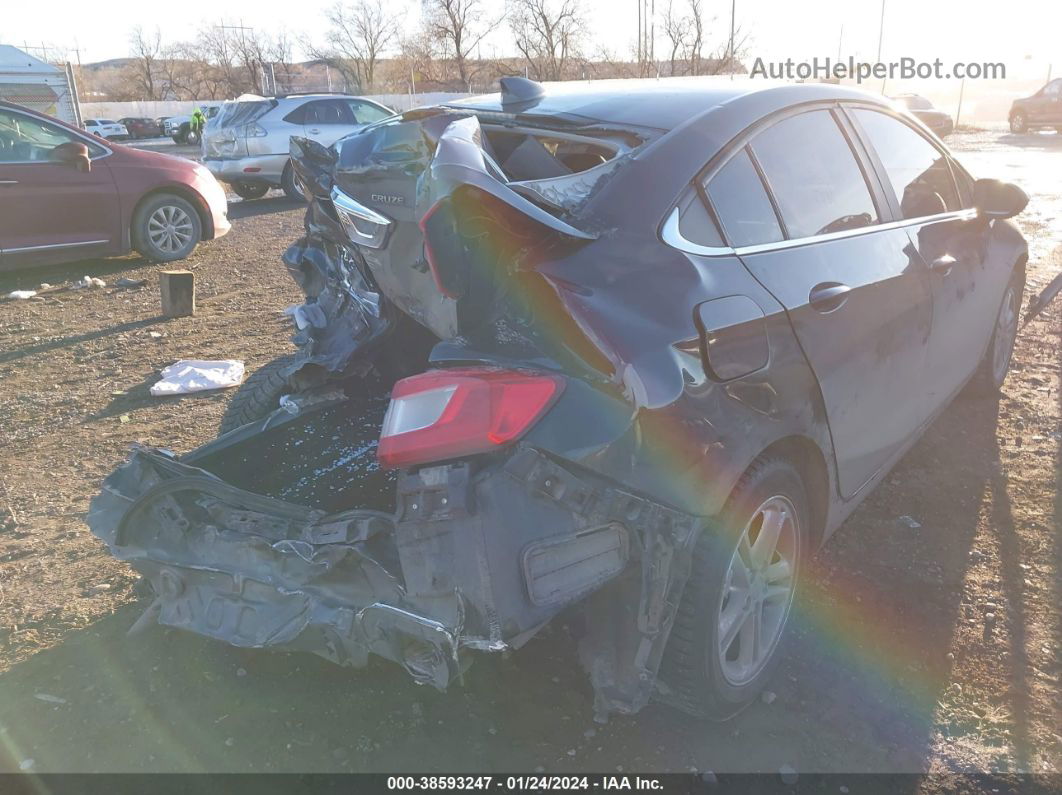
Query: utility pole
point(640, 39)
point(881, 36)
point(958, 111)
point(840, 38)
point(733, 16)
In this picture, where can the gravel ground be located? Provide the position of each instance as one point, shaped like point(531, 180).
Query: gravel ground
point(928, 640)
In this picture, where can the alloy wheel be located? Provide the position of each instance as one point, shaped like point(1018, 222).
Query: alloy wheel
point(758, 591)
point(1005, 334)
point(170, 229)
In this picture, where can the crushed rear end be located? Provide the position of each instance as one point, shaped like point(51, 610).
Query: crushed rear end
point(288, 532)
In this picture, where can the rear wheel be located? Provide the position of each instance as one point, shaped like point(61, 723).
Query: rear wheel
point(992, 372)
point(259, 395)
point(166, 228)
point(290, 186)
point(249, 190)
point(724, 644)
point(1019, 122)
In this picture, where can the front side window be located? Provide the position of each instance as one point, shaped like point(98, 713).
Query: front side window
point(741, 203)
point(367, 113)
point(25, 139)
point(918, 172)
point(814, 176)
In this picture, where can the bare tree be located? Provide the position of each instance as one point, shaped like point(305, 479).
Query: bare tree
point(676, 27)
point(458, 25)
point(359, 32)
point(547, 34)
point(695, 37)
point(146, 51)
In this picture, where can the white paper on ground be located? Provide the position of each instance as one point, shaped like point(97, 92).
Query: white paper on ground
point(194, 375)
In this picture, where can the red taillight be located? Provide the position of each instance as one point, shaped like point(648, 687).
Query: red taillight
point(445, 414)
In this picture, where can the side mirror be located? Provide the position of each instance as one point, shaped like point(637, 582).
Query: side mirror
point(75, 154)
point(994, 198)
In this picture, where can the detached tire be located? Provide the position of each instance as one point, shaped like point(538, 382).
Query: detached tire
point(166, 228)
point(724, 645)
point(249, 190)
point(259, 395)
point(291, 188)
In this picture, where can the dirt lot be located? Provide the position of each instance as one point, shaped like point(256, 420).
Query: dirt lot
point(929, 638)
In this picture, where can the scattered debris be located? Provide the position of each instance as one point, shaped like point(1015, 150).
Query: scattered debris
point(231, 741)
point(910, 521)
point(155, 335)
point(26, 764)
point(709, 778)
point(49, 698)
point(89, 282)
point(123, 418)
point(96, 590)
point(788, 774)
point(768, 696)
point(194, 375)
point(241, 672)
point(22, 295)
point(129, 284)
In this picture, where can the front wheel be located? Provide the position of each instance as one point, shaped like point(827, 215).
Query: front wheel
point(249, 190)
point(259, 395)
point(994, 367)
point(732, 617)
point(1019, 122)
point(166, 228)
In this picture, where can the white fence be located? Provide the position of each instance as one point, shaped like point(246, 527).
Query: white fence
point(152, 110)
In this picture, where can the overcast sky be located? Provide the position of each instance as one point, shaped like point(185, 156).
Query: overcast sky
point(1024, 34)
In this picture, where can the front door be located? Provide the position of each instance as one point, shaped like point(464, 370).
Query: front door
point(950, 241)
point(50, 211)
point(857, 297)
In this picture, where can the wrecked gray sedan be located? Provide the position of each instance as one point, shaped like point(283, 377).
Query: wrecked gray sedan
point(629, 354)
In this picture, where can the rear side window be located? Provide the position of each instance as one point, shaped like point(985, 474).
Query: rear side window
point(814, 177)
point(741, 203)
point(695, 224)
point(918, 172)
point(328, 111)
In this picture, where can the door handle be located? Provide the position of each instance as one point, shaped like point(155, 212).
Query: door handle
point(8, 181)
point(828, 296)
point(942, 263)
point(314, 131)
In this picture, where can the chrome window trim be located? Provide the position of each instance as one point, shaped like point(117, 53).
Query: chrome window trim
point(670, 234)
point(357, 209)
point(56, 245)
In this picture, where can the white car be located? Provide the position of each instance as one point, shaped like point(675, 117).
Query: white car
point(106, 128)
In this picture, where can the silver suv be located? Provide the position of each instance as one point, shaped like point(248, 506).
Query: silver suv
point(246, 145)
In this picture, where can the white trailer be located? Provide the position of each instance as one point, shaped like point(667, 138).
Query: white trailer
point(38, 85)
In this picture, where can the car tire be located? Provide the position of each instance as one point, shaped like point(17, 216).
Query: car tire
point(992, 372)
point(259, 395)
point(178, 138)
point(291, 188)
point(166, 228)
point(1019, 122)
point(711, 676)
point(249, 190)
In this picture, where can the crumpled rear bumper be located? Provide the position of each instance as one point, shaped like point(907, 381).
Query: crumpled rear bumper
point(472, 559)
point(259, 572)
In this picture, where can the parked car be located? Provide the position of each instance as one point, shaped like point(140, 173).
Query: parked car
point(247, 146)
point(179, 128)
point(106, 128)
point(141, 127)
point(66, 195)
point(628, 353)
point(1042, 109)
point(922, 109)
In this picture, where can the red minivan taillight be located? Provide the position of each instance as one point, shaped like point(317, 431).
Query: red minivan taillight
point(445, 414)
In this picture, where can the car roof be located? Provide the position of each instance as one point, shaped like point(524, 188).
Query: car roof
point(663, 104)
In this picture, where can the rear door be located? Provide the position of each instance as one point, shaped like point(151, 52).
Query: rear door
point(951, 243)
point(856, 294)
point(49, 211)
point(327, 120)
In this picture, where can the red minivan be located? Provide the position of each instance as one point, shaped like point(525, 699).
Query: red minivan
point(66, 195)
